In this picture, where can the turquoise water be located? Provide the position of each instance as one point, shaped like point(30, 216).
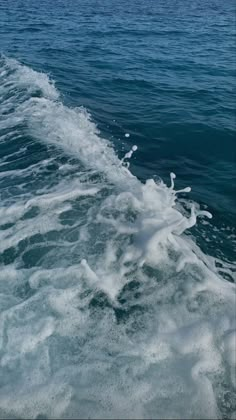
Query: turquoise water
point(117, 292)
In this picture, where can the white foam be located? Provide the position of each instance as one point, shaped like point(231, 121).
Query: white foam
point(24, 76)
point(124, 316)
point(63, 193)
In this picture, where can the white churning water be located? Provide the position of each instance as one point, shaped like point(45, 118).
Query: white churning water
point(107, 308)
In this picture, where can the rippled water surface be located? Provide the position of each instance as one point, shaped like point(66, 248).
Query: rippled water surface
point(117, 280)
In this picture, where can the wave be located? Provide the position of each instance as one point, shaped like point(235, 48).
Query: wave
point(108, 308)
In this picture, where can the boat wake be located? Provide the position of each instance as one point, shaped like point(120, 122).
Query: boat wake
point(109, 309)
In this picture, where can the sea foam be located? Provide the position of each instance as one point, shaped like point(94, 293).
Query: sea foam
point(108, 308)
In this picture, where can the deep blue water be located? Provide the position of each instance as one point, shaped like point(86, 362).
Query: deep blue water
point(156, 74)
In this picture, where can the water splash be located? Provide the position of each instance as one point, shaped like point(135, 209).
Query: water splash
point(108, 308)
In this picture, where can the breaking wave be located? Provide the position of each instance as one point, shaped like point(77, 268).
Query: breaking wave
point(109, 309)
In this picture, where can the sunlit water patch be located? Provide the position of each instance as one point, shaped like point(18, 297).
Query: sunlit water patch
point(109, 309)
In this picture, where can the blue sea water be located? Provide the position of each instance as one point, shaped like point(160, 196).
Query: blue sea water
point(117, 293)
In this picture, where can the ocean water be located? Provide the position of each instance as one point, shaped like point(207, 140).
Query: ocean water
point(117, 209)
